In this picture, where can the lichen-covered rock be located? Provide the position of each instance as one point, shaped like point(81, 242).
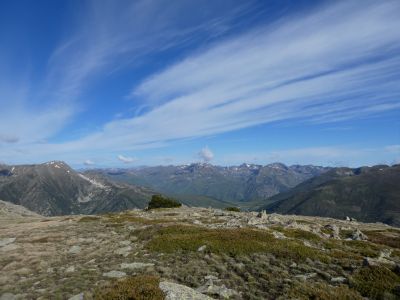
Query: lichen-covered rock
point(174, 291)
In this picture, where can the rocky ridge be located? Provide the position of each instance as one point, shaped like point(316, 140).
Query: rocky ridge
point(199, 253)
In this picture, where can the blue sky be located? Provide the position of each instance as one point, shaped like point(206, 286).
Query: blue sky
point(124, 83)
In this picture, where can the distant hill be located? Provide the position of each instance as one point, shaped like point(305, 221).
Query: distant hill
point(369, 194)
point(54, 188)
point(244, 183)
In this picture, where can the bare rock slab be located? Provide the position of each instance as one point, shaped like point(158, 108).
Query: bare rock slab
point(174, 291)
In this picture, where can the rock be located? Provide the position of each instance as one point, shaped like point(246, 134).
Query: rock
point(9, 247)
point(123, 251)
point(211, 277)
point(174, 291)
point(262, 214)
point(254, 221)
point(202, 248)
point(335, 231)
point(6, 241)
point(70, 269)
point(293, 265)
point(8, 296)
point(74, 250)
point(125, 243)
point(369, 262)
point(358, 235)
point(197, 222)
point(136, 265)
point(77, 297)
point(211, 289)
point(304, 277)
point(385, 253)
point(339, 279)
point(114, 274)
point(278, 235)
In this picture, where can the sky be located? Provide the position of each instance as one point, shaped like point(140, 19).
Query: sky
point(129, 83)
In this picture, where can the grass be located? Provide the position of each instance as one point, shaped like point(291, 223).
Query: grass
point(142, 287)
point(363, 248)
point(376, 282)
point(301, 234)
point(86, 219)
point(345, 234)
point(322, 291)
point(232, 208)
point(234, 242)
point(391, 239)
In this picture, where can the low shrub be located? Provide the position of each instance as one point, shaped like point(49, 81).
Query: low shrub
point(322, 291)
point(376, 282)
point(233, 242)
point(158, 201)
point(232, 208)
point(142, 287)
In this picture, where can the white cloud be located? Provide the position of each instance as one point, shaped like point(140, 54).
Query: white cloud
point(126, 159)
point(393, 149)
point(206, 154)
point(320, 67)
point(88, 162)
point(335, 63)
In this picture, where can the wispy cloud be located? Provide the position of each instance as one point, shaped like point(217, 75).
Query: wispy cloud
point(326, 156)
point(126, 159)
point(338, 62)
point(88, 162)
point(334, 64)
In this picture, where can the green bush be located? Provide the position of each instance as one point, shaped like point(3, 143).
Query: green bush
point(141, 287)
point(376, 282)
point(232, 208)
point(158, 201)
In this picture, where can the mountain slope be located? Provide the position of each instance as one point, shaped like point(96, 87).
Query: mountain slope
point(54, 188)
point(236, 184)
point(368, 194)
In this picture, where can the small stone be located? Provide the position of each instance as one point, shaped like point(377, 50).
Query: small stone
point(8, 296)
point(123, 251)
point(70, 269)
point(77, 297)
point(6, 241)
point(262, 214)
point(339, 279)
point(174, 291)
point(202, 248)
point(74, 249)
point(369, 262)
point(358, 236)
point(125, 243)
point(278, 235)
point(136, 265)
point(293, 265)
point(9, 247)
point(114, 274)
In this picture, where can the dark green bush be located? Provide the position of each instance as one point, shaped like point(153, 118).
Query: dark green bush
point(158, 201)
point(232, 208)
point(141, 287)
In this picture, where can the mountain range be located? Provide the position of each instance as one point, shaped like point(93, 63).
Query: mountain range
point(53, 188)
point(239, 185)
point(369, 194)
